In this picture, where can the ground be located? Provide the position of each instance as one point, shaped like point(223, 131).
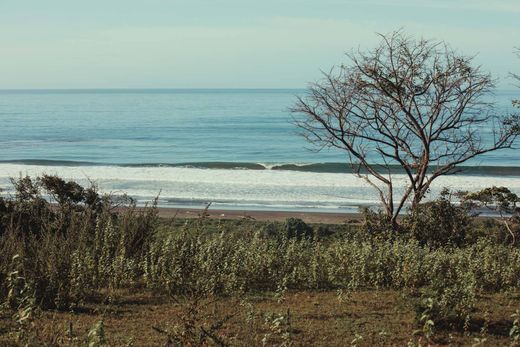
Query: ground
point(304, 318)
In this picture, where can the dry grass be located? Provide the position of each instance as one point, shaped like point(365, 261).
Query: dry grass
point(369, 318)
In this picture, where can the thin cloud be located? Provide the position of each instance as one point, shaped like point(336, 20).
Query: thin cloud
point(476, 5)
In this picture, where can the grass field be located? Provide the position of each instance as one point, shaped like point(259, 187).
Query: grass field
point(301, 318)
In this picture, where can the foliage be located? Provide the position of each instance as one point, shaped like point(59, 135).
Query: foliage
point(514, 333)
point(451, 291)
point(424, 317)
point(96, 335)
point(49, 203)
point(501, 201)
point(295, 227)
point(279, 326)
point(439, 222)
point(66, 250)
point(376, 222)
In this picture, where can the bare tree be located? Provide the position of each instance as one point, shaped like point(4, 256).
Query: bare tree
point(415, 104)
point(516, 102)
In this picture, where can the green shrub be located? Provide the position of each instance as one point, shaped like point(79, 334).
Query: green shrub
point(438, 223)
point(450, 287)
point(297, 228)
point(48, 203)
point(67, 250)
point(376, 223)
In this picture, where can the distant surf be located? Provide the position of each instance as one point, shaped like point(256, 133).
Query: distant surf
point(232, 188)
point(478, 170)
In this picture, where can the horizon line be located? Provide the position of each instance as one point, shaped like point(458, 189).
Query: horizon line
point(81, 89)
point(150, 88)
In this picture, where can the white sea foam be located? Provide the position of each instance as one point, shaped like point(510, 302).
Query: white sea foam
point(268, 189)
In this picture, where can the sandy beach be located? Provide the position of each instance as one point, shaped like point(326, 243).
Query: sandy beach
point(308, 217)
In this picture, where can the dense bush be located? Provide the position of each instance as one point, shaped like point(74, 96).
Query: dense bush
point(438, 223)
point(60, 252)
point(49, 203)
point(376, 223)
point(295, 227)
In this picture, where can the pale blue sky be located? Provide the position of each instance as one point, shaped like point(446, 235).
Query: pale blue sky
point(230, 43)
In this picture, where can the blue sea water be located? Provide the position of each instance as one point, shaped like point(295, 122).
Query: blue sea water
point(146, 141)
point(152, 126)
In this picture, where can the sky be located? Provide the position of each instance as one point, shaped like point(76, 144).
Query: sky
point(231, 43)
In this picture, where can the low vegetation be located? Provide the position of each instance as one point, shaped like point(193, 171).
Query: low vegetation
point(90, 258)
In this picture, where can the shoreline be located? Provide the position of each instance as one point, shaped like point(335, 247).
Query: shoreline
point(312, 217)
point(273, 216)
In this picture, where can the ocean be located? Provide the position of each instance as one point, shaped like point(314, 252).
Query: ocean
point(237, 149)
